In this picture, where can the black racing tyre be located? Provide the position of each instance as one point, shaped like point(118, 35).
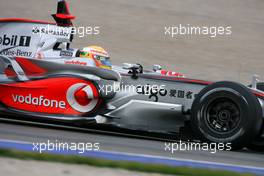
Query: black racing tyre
point(226, 112)
point(258, 143)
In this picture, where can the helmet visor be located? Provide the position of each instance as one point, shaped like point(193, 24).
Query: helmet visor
point(104, 61)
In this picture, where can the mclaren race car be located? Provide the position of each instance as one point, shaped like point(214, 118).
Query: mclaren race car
point(42, 77)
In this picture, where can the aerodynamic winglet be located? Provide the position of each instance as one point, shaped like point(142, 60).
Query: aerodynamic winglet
point(63, 16)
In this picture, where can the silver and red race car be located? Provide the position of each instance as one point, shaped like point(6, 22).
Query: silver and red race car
point(42, 77)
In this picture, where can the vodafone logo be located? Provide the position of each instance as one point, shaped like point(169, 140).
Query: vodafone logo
point(82, 97)
point(38, 101)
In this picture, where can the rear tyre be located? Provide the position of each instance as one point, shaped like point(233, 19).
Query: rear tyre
point(226, 112)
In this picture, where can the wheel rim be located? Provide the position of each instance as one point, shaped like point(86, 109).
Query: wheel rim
point(222, 115)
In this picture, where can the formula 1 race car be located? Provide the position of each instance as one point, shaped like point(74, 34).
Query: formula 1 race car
point(37, 80)
point(215, 112)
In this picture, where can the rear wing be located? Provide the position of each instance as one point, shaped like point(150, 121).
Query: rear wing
point(31, 38)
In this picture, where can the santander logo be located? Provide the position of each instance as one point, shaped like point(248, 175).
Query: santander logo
point(82, 97)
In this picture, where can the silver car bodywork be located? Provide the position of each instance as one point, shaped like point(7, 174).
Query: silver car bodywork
point(164, 110)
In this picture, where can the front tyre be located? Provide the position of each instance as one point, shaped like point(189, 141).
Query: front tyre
point(258, 143)
point(226, 112)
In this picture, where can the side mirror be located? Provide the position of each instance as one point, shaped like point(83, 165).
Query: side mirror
point(255, 80)
point(134, 69)
point(130, 66)
point(156, 67)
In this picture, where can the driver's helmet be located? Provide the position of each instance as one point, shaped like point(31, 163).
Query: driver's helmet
point(98, 55)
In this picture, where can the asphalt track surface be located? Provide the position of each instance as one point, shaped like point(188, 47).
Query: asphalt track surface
point(124, 144)
point(133, 31)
